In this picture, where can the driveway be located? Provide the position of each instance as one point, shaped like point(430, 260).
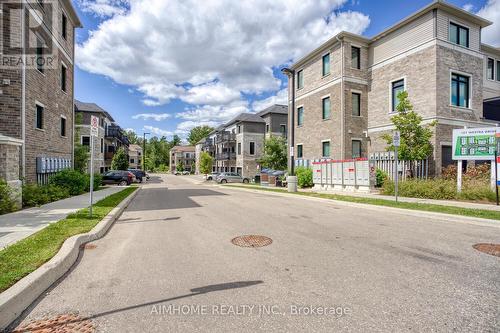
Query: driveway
point(168, 265)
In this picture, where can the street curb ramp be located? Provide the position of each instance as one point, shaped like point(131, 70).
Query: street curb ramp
point(21, 295)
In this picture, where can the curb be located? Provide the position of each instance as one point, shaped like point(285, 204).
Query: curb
point(19, 297)
point(409, 212)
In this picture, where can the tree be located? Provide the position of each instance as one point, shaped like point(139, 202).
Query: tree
point(197, 133)
point(133, 138)
point(180, 166)
point(81, 152)
point(120, 160)
point(275, 154)
point(206, 162)
point(415, 138)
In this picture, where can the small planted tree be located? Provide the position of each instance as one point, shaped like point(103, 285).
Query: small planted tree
point(415, 138)
point(275, 154)
point(120, 160)
point(180, 166)
point(206, 163)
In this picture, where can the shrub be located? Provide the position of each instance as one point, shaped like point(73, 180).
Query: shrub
point(304, 177)
point(120, 160)
point(74, 181)
point(380, 178)
point(7, 204)
point(34, 195)
point(97, 182)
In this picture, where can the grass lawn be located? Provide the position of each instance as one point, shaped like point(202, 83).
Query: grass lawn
point(25, 256)
point(481, 213)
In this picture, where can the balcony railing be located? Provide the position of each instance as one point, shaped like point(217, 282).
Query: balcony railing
point(225, 156)
point(114, 131)
point(225, 137)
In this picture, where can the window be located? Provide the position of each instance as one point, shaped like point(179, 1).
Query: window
point(355, 57)
point(397, 87)
point(39, 55)
point(239, 128)
point(63, 77)
point(326, 64)
point(63, 126)
point(64, 27)
point(283, 129)
point(326, 108)
point(239, 148)
point(300, 79)
point(356, 148)
point(252, 148)
point(39, 116)
point(356, 104)
point(459, 34)
point(498, 70)
point(300, 153)
point(326, 148)
point(132, 161)
point(459, 90)
point(85, 140)
point(102, 146)
point(267, 128)
point(491, 69)
point(300, 116)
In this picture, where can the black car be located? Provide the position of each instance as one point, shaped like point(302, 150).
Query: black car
point(139, 174)
point(119, 177)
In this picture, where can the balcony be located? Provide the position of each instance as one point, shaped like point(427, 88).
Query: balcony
point(115, 132)
point(224, 137)
point(225, 156)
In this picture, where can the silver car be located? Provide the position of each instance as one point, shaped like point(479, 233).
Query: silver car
point(231, 177)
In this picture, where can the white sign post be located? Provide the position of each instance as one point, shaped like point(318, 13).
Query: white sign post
point(94, 132)
point(396, 141)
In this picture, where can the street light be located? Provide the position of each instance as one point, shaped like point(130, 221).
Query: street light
point(292, 180)
point(144, 151)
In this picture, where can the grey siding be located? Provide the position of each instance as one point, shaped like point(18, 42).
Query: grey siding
point(443, 23)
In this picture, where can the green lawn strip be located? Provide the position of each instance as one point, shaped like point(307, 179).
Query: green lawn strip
point(472, 212)
point(25, 256)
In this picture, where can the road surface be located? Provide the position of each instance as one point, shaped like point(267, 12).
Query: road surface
point(168, 265)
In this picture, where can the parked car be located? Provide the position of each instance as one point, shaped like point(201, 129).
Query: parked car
point(120, 177)
point(139, 174)
point(212, 176)
point(231, 177)
point(186, 173)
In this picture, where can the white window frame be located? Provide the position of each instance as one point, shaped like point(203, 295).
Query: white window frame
point(390, 91)
point(469, 108)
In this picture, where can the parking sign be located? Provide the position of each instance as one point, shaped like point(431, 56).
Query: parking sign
point(94, 126)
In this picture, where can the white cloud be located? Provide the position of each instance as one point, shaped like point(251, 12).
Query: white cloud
point(208, 53)
point(279, 98)
point(154, 116)
point(491, 11)
point(468, 7)
point(157, 131)
point(104, 8)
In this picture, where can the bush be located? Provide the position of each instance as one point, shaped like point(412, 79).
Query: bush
point(304, 177)
point(380, 178)
point(34, 195)
point(74, 181)
point(97, 182)
point(7, 204)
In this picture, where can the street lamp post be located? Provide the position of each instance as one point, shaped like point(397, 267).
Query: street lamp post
point(292, 179)
point(144, 151)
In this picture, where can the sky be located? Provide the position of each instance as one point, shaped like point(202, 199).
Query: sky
point(166, 66)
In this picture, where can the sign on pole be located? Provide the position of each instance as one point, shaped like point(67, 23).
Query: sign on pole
point(94, 132)
point(396, 141)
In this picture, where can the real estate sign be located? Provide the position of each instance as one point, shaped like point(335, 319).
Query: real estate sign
point(475, 143)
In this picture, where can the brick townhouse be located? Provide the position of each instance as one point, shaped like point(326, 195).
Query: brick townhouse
point(36, 88)
point(345, 90)
point(135, 156)
point(184, 155)
point(110, 136)
point(238, 144)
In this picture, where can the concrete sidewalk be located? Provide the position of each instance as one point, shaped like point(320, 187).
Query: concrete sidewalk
point(18, 225)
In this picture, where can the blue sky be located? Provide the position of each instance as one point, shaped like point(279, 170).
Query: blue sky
point(167, 70)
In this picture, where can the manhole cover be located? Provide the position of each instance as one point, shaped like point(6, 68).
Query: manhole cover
point(493, 249)
point(67, 323)
point(88, 246)
point(252, 241)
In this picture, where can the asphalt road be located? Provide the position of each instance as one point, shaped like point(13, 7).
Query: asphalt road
point(168, 265)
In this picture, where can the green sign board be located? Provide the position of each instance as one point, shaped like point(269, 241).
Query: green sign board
point(475, 143)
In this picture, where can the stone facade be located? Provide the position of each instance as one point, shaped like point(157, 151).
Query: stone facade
point(45, 89)
point(135, 156)
point(184, 155)
point(9, 165)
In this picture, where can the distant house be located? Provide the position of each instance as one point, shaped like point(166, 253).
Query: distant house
point(135, 156)
point(182, 155)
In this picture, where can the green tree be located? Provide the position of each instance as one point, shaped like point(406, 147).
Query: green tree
point(415, 138)
point(180, 166)
point(81, 152)
point(197, 133)
point(275, 154)
point(120, 160)
point(206, 162)
point(132, 137)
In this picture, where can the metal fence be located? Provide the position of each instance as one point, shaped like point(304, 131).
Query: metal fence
point(385, 161)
